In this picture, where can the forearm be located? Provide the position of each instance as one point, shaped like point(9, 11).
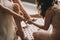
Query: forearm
point(36, 16)
point(37, 25)
point(40, 26)
point(11, 12)
point(22, 9)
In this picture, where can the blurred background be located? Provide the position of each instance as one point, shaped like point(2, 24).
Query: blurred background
point(31, 1)
point(30, 7)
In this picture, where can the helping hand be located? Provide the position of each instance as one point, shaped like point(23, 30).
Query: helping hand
point(30, 21)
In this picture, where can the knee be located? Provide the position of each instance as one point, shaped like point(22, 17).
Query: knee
point(39, 34)
point(35, 35)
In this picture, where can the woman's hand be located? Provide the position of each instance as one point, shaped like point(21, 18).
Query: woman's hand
point(30, 21)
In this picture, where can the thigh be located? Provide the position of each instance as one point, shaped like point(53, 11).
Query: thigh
point(41, 35)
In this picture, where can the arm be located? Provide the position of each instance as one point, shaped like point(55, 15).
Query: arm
point(48, 18)
point(9, 11)
point(24, 12)
point(19, 32)
point(36, 16)
point(16, 9)
point(22, 9)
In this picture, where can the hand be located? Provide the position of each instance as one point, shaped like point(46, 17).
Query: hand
point(25, 27)
point(34, 19)
point(29, 21)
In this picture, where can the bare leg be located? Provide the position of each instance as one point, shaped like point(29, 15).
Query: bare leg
point(41, 35)
point(19, 31)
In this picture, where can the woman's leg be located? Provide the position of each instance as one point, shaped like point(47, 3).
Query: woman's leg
point(41, 35)
point(20, 31)
point(18, 22)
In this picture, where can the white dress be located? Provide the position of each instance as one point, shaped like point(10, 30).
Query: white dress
point(7, 23)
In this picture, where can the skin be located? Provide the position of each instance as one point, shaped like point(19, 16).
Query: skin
point(24, 13)
point(10, 12)
point(52, 17)
point(18, 22)
point(45, 35)
point(22, 9)
point(19, 31)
